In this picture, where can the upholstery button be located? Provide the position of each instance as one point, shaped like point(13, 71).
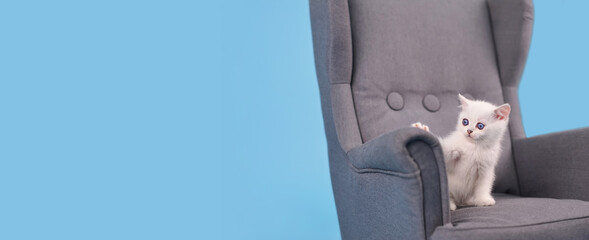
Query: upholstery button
point(431, 103)
point(395, 101)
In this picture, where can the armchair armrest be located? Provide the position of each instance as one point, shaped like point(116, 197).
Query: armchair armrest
point(413, 154)
point(554, 165)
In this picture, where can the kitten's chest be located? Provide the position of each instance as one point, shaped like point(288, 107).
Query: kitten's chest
point(479, 158)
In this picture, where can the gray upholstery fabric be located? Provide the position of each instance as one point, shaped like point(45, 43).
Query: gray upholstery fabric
point(512, 22)
point(515, 217)
point(347, 127)
point(341, 174)
point(428, 51)
point(554, 165)
point(383, 64)
point(409, 156)
point(418, 48)
point(333, 62)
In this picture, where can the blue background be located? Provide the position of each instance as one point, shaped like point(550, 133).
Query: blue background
point(197, 120)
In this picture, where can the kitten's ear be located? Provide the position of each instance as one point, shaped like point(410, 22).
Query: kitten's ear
point(502, 112)
point(463, 101)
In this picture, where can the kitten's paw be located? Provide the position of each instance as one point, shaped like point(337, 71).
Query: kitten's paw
point(420, 126)
point(452, 205)
point(484, 201)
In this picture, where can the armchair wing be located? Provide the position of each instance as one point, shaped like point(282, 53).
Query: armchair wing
point(554, 165)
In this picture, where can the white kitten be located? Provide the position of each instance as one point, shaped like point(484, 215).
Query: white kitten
point(472, 151)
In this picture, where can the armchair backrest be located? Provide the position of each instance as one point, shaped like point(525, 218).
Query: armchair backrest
point(383, 64)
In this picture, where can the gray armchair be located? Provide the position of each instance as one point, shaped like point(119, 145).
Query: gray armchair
point(383, 64)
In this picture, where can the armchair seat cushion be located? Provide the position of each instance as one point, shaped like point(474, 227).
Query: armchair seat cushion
point(515, 217)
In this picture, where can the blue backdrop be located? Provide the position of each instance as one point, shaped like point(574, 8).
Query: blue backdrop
point(197, 120)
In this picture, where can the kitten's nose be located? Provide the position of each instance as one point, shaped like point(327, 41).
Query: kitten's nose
point(469, 131)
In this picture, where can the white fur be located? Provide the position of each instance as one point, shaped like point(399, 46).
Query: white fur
point(470, 160)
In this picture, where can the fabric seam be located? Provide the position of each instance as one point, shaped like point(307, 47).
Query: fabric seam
point(503, 94)
point(517, 226)
point(383, 171)
point(352, 72)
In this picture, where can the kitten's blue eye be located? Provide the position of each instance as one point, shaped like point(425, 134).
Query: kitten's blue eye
point(480, 126)
point(465, 122)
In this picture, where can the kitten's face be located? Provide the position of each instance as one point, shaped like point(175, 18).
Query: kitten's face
point(482, 121)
